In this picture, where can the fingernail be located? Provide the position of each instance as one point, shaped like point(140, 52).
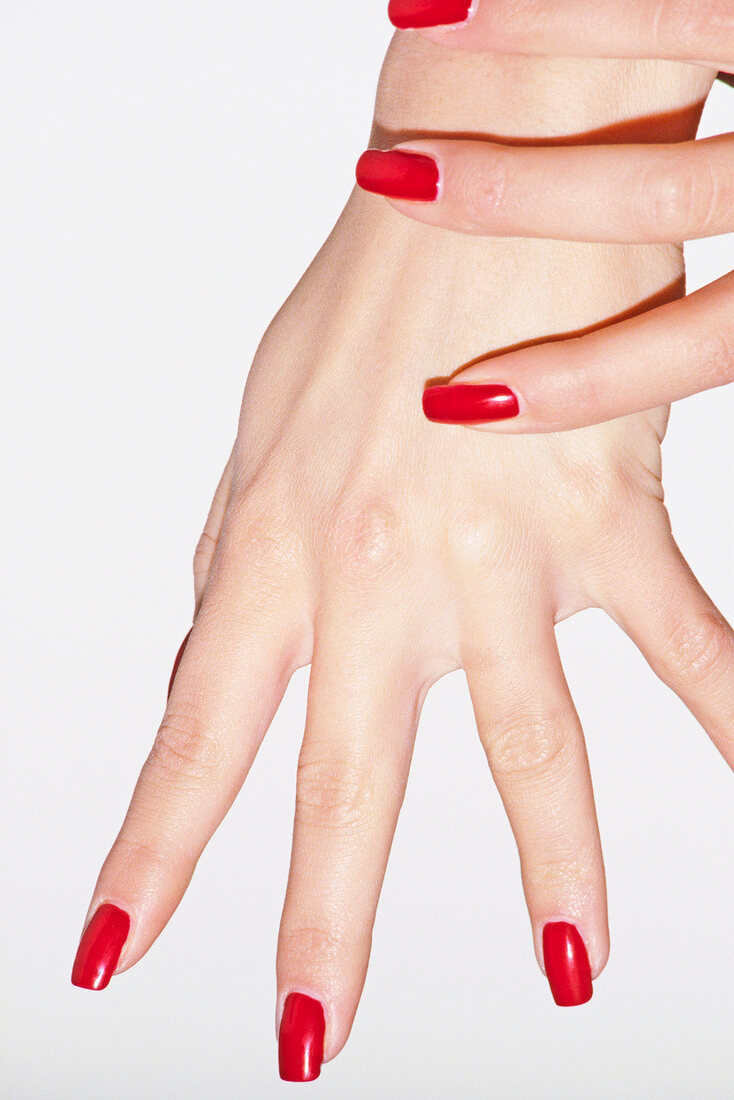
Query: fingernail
point(177, 662)
point(469, 404)
point(406, 14)
point(566, 964)
point(301, 1038)
point(101, 945)
point(398, 175)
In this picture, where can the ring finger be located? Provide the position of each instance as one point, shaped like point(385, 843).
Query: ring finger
point(535, 747)
point(360, 728)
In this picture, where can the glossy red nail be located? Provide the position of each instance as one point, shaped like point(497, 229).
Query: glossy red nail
point(405, 14)
point(566, 964)
point(469, 404)
point(177, 661)
point(398, 175)
point(301, 1038)
point(101, 945)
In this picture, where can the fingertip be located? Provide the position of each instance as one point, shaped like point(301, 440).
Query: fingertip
point(566, 964)
point(301, 1037)
point(429, 14)
point(470, 404)
point(98, 955)
point(398, 174)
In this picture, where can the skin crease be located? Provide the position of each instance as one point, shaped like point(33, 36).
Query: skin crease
point(350, 532)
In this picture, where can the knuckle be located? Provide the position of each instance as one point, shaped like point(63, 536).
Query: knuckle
point(613, 507)
point(681, 199)
point(135, 853)
point(595, 504)
point(670, 199)
point(484, 188)
point(574, 875)
point(712, 194)
point(715, 357)
point(256, 540)
point(476, 541)
point(184, 751)
point(582, 384)
point(257, 532)
point(312, 949)
point(332, 795)
point(528, 747)
point(572, 386)
point(699, 650)
point(366, 538)
point(683, 25)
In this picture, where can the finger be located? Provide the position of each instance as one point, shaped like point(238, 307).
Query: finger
point(243, 647)
point(688, 643)
point(649, 360)
point(208, 540)
point(631, 194)
point(205, 553)
point(535, 747)
point(684, 30)
point(362, 714)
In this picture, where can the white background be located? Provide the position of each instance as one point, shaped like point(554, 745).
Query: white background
point(168, 171)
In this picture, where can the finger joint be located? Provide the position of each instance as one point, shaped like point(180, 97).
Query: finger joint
point(483, 190)
point(312, 951)
point(366, 539)
point(332, 794)
point(681, 27)
point(184, 750)
point(528, 748)
point(699, 651)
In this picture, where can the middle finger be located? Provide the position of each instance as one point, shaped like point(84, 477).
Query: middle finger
point(360, 728)
point(535, 747)
point(643, 194)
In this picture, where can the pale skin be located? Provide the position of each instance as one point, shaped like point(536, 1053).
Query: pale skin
point(670, 191)
point(350, 533)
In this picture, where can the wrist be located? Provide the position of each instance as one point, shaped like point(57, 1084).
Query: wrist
point(427, 89)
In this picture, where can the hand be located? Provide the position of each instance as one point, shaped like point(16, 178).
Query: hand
point(697, 31)
point(349, 532)
point(643, 193)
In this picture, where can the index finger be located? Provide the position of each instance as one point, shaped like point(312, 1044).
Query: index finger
point(230, 677)
point(700, 31)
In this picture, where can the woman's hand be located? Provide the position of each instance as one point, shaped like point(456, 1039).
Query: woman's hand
point(350, 533)
point(640, 193)
point(696, 31)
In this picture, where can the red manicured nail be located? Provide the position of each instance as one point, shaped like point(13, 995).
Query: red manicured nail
point(301, 1038)
point(469, 404)
point(100, 948)
point(405, 14)
point(177, 662)
point(398, 175)
point(566, 964)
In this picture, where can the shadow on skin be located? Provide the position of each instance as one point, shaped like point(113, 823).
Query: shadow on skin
point(669, 293)
point(668, 126)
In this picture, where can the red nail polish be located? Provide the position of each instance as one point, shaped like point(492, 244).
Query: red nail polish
point(398, 175)
point(100, 948)
point(469, 404)
point(405, 14)
point(566, 964)
point(177, 661)
point(301, 1038)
